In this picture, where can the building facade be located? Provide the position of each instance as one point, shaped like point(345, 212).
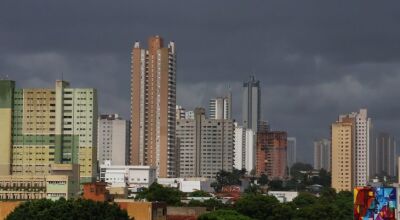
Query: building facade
point(180, 112)
point(383, 156)
point(221, 107)
point(244, 151)
point(49, 126)
point(322, 154)
point(291, 151)
point(133, 177)
point(342, 137)
point(251, 104)
point(153, 106)
point(272, 154)
point(113, 139)
point(359, 147)
point(206, 145)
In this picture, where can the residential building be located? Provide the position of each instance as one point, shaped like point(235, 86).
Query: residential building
point(96, 191)
point(271, 154)
point(251, 104)
point(322, 154)
point(284, 196)
point(205, 145)
point(189, 115)
point(383, 156)
point(153, 106)
point(113, 139)
point(244, 150)
point(133, 177)
point(291, 152)
point(143, 210)
point(48, 126)
point(354, 141)
point(221, 107)
point(180, 112)
point(63, 181)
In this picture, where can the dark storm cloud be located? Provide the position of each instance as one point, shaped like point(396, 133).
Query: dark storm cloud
point(315, 59)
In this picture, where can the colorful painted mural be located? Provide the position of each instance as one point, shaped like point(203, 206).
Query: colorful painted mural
point(375, 203)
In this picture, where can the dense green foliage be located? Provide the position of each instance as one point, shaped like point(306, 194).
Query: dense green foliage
point(67, 209)
point(199, 193)
point(225, 178)
point(157, 192)
point(223, 215)
point(210, 204)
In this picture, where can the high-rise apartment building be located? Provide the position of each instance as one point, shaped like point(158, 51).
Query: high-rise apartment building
point(291, 151)
point(221, 107)
point(49, 126)
point(383, 156)
point(205, 145)
point(271, 154)
point(350, 150)
point(244, 151)
point(113, 139)
point(153, 106)
point(180, 112)
point(251, 104)
point(322, 154)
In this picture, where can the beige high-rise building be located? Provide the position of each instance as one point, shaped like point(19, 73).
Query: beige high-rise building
point(349, 172)
point(153, 103)
point(343, 155)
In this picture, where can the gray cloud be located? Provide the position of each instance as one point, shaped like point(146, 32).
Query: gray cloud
point(315, 59)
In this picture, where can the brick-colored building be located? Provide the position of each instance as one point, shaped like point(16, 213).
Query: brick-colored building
point(96, 191)
point(143, 210)
point(271, 154)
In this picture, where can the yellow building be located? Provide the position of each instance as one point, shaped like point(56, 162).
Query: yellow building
point(57, 125)
point(342, 155)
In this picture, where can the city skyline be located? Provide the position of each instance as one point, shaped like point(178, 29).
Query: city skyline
point(305, 74)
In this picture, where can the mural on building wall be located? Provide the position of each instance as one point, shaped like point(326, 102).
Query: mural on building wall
point(376, 203)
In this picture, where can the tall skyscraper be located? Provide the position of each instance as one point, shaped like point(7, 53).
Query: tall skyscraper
point(251, 104)
point(383, 156)
point(205, 145)
point(153, 106)
point(221, 107)
point(244, 151)
point(271, 154)
point(322, 154)
point(113, 140)
point(49, 126)
point(350, 150)
point(291, 151)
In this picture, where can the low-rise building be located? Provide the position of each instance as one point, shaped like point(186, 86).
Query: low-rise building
point(188, 185)
point(143, 210)
point(63, 181)
point(133, 177)
point(284, 196)
point(96, 191)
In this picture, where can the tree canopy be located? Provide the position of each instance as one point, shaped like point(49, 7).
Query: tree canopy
point(157, 192)
point(223, 215)
point(67, 209)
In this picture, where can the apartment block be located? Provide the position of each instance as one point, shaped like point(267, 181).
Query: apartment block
point(206, 145)
point(113, 140)
point(251, 104)
point(221, 107)
point(383, 156)
point(354, 140)
point(291, 151)
point(271, 154)
point(153, 106)
point(322, 154)
point(244, 150)
point(48, 126)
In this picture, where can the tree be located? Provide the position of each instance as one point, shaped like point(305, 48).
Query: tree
point(256, 206)
point(67, 209)
point(275, 185)
point(252, 189)
point(263, 180)
point(223, 215)
point(210, 204)
point(225, 178)
point(305, 199)
point(157, 192)
point(199, 193)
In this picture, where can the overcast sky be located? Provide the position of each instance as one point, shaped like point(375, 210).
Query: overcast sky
point(315, 59)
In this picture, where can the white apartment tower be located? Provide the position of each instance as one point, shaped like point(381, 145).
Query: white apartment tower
point(221, 107)
point(244, 150)
point(113, 140)
point(322, 154)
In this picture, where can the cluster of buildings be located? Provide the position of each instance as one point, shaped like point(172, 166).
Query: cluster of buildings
point(42, 128)
point(355, 154)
